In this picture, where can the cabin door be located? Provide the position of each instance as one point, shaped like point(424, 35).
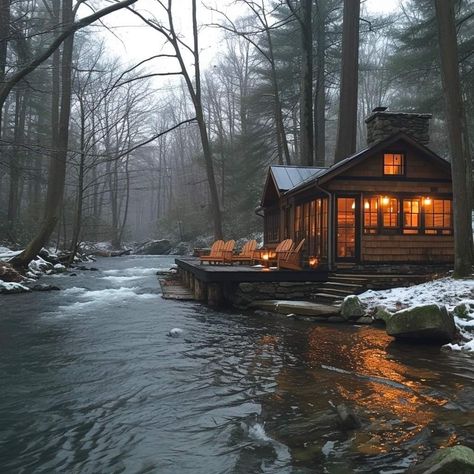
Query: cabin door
point(347, 232)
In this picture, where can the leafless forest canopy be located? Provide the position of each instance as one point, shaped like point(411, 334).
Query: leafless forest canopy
point(94, 148)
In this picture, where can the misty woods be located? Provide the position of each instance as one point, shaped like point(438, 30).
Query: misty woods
point(103, 141)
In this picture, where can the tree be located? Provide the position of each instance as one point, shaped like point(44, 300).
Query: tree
point(194, 89)
point(458, 139)
point(347, 125)
point(304, 17)
point(57, 165)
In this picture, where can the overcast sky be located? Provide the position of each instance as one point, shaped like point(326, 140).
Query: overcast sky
point(131, 40)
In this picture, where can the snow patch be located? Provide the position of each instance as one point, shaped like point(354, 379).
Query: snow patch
point(11, 287)
point(450, 292)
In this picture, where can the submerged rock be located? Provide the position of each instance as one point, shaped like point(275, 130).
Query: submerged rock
point(427, 323)
point(347, 418)
point(44, 287)
point(454, 460)
point(351, 308)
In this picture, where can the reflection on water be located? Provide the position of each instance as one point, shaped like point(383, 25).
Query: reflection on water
point(407, 402)
point(92, 383)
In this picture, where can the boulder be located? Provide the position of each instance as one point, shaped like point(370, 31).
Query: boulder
point(8, 273)
point(454, 460)
point(428, 323)
point(155, 247)
point(382, 314)
point(351, 308)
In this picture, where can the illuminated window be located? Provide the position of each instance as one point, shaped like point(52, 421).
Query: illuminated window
point(370, 215)
point(393, 164)
point(390, 212)
point(438, 216)
point(411, 216)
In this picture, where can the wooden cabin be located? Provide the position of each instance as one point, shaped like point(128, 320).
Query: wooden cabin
point(390, 203)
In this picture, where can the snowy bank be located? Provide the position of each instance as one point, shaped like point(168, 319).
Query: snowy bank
point(456, 294)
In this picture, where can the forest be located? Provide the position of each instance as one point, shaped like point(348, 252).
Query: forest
point(95, 147)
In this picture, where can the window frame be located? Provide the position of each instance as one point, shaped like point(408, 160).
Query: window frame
point(401, 229)
point(403, 166)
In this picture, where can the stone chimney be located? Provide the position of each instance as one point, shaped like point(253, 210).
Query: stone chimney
point(381, 124)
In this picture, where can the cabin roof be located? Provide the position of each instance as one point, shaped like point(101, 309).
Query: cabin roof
point(347, 163)
point(289, 177)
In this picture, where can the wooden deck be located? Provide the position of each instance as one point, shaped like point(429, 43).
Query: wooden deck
point(245, 273)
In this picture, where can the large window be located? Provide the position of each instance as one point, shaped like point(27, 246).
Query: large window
point(390, 212)
point(394, 164)
point(371, 210)
point(311, 224)
point(411, 216)
point(408, 215)
point(438, 216)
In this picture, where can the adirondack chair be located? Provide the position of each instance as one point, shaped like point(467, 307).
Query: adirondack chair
point(246, 255)
point(291, 259)
point(216, 250)
point(272, 255)
point(222, 256)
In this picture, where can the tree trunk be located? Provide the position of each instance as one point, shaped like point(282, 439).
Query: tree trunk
point(320, 92)
point(347, 125)
point(57, 167)
point(216, 211)
point(306, 101)
point(458, 139)
point(15, 163)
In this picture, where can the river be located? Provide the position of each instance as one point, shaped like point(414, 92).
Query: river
point(92, 383)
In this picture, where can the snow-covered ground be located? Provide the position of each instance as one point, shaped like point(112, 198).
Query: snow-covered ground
point(36, 268)
point(456, 294)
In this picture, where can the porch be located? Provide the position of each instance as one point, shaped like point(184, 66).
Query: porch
point(240, 285)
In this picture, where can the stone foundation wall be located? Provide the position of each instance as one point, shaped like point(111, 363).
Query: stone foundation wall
point(243, 294)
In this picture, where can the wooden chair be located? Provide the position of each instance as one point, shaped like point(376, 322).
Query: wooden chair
point(222, 256)
point(291, 259)
point(272, 254)
point(246, 255)
point(216, 250)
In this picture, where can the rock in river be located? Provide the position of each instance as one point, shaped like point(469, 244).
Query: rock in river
point(155, 247)
point(427, 323)
point(454, 460)
point(351, 308)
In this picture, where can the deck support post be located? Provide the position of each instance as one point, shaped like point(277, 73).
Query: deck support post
point(215, 295)
point(200, 290)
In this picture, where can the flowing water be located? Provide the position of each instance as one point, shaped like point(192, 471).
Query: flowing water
point(92, 383)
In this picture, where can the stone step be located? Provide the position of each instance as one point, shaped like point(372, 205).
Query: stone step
point(336, 291)
point(328, 298)
point(342, 285)
point(370, 276)
point(348, 279)
point(303, 308)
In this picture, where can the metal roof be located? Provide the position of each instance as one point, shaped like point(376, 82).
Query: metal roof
point(288, 177)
